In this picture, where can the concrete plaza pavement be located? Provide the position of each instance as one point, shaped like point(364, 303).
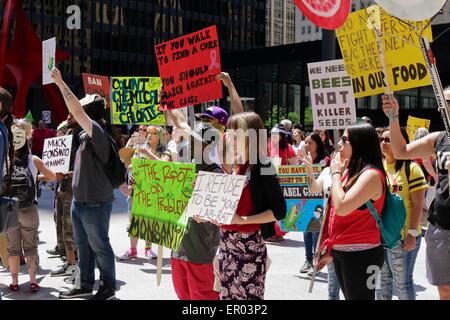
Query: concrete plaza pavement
point(136, 279)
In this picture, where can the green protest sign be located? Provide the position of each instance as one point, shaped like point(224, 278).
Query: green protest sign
point(161, 193)
point(135, 100)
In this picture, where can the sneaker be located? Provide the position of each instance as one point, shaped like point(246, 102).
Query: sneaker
point(150, 254)
point(72, 279)
point(64, 271)
point(56, 252)
point(306, 267)
point(104, 293)
point(129, 254)
point(75, 293)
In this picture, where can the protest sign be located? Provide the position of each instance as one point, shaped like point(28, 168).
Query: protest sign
point(304, 209)
point(48, 60)
point(47, 116)
point(161, 193)
point(135, 100)
point(216, 196)
point(404, 61)
point(56, 154)
point(188, 67)
point(413, 124)
point(94, 84)
point(332, 99)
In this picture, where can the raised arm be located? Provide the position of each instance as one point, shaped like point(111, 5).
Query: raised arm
point(72, 103)
point(49, 175)
point(416, 149)
point(235, 100)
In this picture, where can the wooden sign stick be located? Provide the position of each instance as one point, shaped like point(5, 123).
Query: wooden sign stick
point(159, 265)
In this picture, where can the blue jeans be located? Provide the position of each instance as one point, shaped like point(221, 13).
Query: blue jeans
point(398, 270)
point(310, 239)
point(91, 227)
point(333, 283)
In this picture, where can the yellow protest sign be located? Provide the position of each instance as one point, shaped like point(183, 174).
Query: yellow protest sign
point(405, 63)
point(135, 100)
point(414, 123)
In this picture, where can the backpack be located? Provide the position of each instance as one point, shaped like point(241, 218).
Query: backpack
point(392, 222)
point(23, 186)
point(114, 168)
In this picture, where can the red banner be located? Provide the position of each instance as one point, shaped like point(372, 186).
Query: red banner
point(188, 67)
point(97, 84)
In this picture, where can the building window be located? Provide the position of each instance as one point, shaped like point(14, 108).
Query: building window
point(303, 30)
point(309, 30)
point(317, 29)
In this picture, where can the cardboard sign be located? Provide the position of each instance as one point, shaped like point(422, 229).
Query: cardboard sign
point(135, 100)
point(413, 124)
point(405, 64)
point(48, 60)
point(47, 116)
point(56, 154)
point(304, 210)
point(216, 196)
point(160, 196)
point(332, 98)
point(188, 67)
point(94, 84)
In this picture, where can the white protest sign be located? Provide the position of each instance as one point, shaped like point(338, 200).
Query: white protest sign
point(47, 116)
point(216, 196)
point(57, 152)
point(332, 97)
point(48, 59)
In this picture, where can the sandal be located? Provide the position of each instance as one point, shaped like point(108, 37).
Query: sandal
point(14, 287)
point(34, 287)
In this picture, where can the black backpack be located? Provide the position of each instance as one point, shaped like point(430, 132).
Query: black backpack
point(114, 168)
point(23, 186)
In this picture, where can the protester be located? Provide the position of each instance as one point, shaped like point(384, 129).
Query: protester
point(119, 137)
point(298, 141)
point(321, 184)
point(324, 135)
point(351, 237)
point(24, 238)
point(39, 135)
point(380, 131)
point(192, 263)
point(64, 197)
point(279, 148)
point(152, 147)
point(437, 237)
point(242, 251)
point(314, 153)
point(406, 179)
point(6, 153)
point(93, 196)
point(287, 124)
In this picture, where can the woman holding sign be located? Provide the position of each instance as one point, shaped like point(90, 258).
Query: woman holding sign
point(242, 250)
point(23, 186)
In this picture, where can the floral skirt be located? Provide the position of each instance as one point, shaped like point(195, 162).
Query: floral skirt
point(242, 265)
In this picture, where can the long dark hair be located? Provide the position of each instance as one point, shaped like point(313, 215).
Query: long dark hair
point(399, 163)
point(321, 152)
point(5, 113)
point(366, 151)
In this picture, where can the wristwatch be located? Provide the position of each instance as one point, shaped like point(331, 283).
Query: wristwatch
point(413, 232)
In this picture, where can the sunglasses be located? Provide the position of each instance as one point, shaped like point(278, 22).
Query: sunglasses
point(345, 139)
point(387, 140)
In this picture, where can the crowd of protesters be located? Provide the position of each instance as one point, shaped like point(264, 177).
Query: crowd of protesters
point(235, 256)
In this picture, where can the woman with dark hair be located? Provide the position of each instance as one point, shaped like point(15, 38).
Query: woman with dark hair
point(406, 178)
point(325, 136)
point(279, 148)
point(242, 250)
point(351, 237)
point(316, 153)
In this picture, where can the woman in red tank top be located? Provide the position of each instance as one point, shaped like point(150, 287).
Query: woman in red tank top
point(351, 237)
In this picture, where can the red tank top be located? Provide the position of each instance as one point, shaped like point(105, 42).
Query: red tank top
point(358, 227)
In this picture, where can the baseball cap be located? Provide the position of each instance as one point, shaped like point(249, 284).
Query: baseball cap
point(215, 113)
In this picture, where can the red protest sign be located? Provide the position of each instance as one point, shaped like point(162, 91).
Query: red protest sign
point(327, 14)
point(188, 67)
point(97, 84)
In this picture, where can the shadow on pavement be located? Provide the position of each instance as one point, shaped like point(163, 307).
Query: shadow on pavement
point(289, 243)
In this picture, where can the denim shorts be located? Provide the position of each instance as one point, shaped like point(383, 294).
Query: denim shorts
point(438, 256)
